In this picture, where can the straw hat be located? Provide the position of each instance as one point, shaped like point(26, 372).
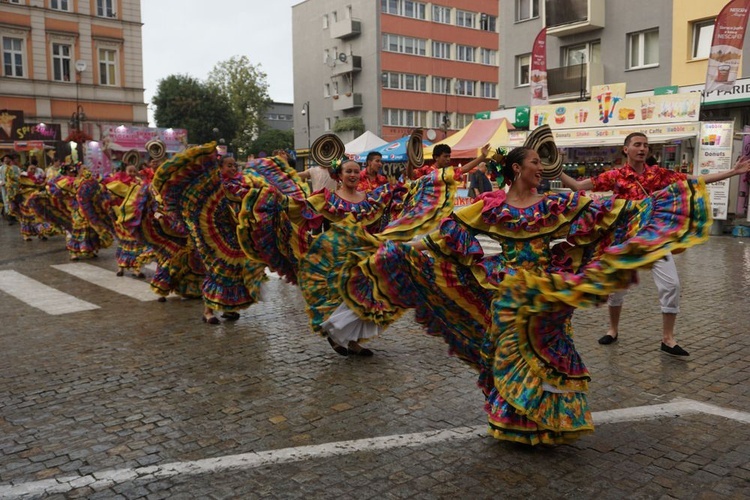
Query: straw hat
point(542, 141)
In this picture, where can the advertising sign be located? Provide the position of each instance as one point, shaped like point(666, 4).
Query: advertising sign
point(538, 70)
point(122, 138)
point(726, 47)
point(715, 155)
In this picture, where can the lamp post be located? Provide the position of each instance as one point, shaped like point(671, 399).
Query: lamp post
point(306, 113)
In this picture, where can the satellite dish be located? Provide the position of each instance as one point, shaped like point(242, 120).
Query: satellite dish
point(80, 65)
point(431, 134)
point(342, 57)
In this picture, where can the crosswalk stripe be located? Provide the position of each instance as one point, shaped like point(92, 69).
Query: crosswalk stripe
point(135, 289)
point(41, 296)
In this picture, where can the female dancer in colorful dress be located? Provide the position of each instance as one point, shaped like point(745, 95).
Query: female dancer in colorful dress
point(21, 189)
point(508, 315)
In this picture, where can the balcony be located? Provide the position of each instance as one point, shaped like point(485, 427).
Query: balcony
point(342, 102)
point(569, 17)
point(346, 64)
point(573, 82)
point(346, 28)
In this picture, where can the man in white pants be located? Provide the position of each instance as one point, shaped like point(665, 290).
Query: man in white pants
point(634, 181)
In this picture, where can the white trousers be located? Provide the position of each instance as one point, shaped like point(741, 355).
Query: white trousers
point(667, 283)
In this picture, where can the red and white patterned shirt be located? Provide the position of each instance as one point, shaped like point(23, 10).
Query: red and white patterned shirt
point(626, 183)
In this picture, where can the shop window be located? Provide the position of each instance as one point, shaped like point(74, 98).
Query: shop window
point(643, 49)
point(527, 9)
point(523, 66)
point(14, 57)
point(61, 57)
point(703, 34)
point(107, 67)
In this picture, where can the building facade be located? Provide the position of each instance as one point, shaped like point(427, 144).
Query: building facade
point(69, 65)
point(280, 116)
point(395, 64)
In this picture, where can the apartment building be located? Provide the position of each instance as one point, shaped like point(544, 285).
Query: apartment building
point(68, 65)
point(395, 64)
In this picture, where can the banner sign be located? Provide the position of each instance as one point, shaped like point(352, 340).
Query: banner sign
point(655, 133)
point(608, 109)
point(538, 70)
point(715, 155)
point(726, 47)
point(122, 138)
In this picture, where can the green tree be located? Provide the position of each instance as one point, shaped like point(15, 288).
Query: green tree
point(246, 88)
point(271, 139)
point(184, 102)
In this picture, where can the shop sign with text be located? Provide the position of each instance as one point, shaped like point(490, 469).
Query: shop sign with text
point(715, 155)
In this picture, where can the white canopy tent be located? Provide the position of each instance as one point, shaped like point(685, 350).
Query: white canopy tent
point(364, 142)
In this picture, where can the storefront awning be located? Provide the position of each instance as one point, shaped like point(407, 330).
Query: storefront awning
point(615, 136)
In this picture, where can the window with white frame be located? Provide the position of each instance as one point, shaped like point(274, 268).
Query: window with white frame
point(466, 87)
point(61, 61)
point(59, 5)
point(404, 118)
point(527, 9)
point(465, 53)
point(440, 120)
point(335, 88)
point(327, 124)
point(703, 35)
point(334, 16)
point(488, 56)
point(463, 119)
point(523, 67)
point(406, 8)
point(487, 23)
point(441, 14)
point(465, 19)
point(107, 66)
point(348, 12)
point(404, 81)
point(325, 21)
point(404, 44)
point(441, 85)
point(489, 90)
point(441, 50)
point(106, 8)
point(582, 53)
point(14, 56)
point(643, 49)
point(327, 90)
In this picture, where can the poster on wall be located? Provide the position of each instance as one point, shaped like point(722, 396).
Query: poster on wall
point(715, 155)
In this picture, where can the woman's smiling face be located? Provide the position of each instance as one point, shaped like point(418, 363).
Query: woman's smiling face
point(350, 174)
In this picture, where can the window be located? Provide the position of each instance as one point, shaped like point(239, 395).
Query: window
point(489, 90)
point(441, 85)
point(703, 35)
point(465, 19)
point(465, 53)
point(406, 8)
point(61, 62)
point(327, 125)
point(523, 66)
point(527, 9)
point(13, 57)
point(488, 56)
point(404, 44)
point(465, 87)
point(404, 81)
point(404, 118)
point(327, 90)
point(463, 119)
point(326, 56)
point(325, 21)
point(441, 120)
point(558, 13)
point(334, 16)
point(59, 5)
point(582, 54)
point(487, 22)
point(107, 67)
point(441, 14)
point(105, 8)
point(441, 50)
point(643, 49)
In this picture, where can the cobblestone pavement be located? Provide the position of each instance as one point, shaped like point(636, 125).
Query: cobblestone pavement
point(134, 399)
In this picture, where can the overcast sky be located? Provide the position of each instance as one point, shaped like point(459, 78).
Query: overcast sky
point(191, 36)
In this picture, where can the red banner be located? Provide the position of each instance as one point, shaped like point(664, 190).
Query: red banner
point(726, 47)
point(538, 70)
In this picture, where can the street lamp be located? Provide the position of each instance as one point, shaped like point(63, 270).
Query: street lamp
point(306, 113)
point(77, 118)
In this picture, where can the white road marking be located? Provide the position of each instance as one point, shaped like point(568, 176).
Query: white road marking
point(40, 296)
point(125, 285)
point(108, 478)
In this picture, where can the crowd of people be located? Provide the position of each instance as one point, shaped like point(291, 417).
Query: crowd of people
point(367, 244)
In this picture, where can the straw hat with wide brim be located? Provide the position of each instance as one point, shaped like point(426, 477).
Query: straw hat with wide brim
point(327, 148)
point(542, 141)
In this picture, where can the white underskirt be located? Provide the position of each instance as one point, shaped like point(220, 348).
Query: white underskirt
point(344, 326)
